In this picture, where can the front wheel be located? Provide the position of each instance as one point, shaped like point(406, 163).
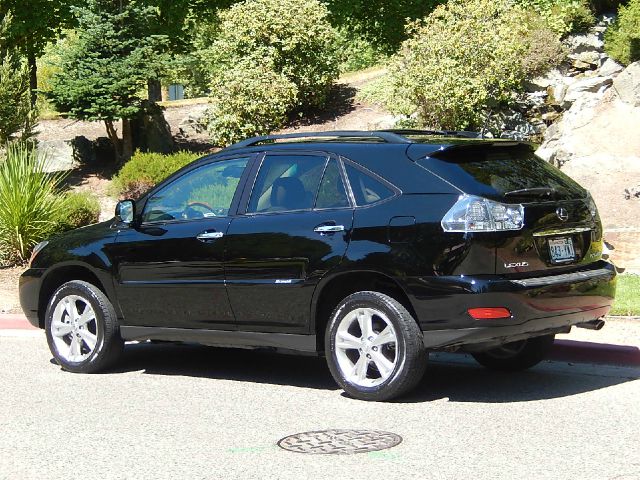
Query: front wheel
point(374, 347)
point(82, 329)
point(516, 356)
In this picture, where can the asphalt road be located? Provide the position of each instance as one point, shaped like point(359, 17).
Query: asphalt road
point(195, 412)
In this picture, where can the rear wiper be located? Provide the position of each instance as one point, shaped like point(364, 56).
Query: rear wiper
point(532, 192)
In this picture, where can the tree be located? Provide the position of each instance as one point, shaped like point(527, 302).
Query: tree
point(16, 114)
point(33, 26)
point(104, 69)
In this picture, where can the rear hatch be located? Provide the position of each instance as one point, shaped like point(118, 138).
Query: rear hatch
point(561, 228)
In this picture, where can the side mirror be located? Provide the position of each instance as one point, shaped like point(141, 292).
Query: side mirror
point(125, 211)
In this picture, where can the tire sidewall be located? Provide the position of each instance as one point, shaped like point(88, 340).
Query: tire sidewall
point(353, 302)
point(87, 294)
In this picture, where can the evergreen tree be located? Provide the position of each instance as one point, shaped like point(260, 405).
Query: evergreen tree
point(104, 71)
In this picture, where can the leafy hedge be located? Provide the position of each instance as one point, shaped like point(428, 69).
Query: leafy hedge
point(622, 39)
point(144, 170)
point(562, 16)
point(80, 209)
point(467, 57)
point(285, 46)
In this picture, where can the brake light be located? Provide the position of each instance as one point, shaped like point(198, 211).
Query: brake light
point(477, 214)
point(491, 313)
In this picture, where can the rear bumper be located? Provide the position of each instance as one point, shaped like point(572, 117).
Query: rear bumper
point(538, 305)
point(29, 288)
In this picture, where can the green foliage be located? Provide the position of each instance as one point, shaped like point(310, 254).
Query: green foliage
point(291, 37)
point(102, 71)
point(80, 209)
point(16, 114)
point(246, 101)
point(622, 39)
point(562, 16)
point(380, 22)
point(478, 51)
point(30, 203)
point(356, 52)
point(145, 170)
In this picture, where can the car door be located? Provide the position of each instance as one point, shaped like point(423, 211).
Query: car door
point(295, 228)
point(169, 264)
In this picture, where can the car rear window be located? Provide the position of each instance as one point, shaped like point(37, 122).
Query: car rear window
point(501, 170)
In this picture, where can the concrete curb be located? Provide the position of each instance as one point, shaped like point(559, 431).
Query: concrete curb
point(11, 321)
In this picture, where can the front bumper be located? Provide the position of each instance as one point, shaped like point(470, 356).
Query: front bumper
point(540, 305)
point(29, 287)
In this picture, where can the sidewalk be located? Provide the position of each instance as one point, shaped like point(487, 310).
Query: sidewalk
point(618, 343)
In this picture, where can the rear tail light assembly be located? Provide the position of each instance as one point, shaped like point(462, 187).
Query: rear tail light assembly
point(477, 214)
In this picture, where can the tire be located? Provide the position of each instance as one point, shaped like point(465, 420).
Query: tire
point(383, 365)
point(82, 328)
point(516, 356)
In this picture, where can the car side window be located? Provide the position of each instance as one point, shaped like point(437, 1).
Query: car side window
point(286, 183)
point(366, 189)
point(204, 192)
point(332, 193)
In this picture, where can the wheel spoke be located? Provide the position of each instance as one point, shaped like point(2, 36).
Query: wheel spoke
point(360, 368)
point(384, 365)
point(365, 322)
point(87, 316)
point(60, 329)
point(386, 336)
point(89, 338)
point(74, 348)
point(346, 341)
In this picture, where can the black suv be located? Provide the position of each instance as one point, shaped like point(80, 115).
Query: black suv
point(367, 247)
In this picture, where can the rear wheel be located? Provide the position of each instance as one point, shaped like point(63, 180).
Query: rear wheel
point(82, 329)
point(516, 356)
point(374, 347)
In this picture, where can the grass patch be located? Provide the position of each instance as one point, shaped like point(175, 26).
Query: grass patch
point(627, 296)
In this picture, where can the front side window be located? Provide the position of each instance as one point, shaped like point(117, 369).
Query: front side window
point(286, 183)
point(332, 193)
point(204, 192)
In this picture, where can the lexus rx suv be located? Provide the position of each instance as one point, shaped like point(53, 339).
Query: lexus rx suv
point(369, 248)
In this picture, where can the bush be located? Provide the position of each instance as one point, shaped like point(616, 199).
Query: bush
point(80, 209)
point(562, 16)
point(466, 57)
point(356, 52)
point(622, 39)
point(16, 114)
point(144, 170)
point(30, 203)
point(248, 101)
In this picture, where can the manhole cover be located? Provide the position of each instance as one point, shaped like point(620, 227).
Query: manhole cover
point(339, 442)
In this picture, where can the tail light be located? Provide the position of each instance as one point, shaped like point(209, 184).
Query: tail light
point(477, 214)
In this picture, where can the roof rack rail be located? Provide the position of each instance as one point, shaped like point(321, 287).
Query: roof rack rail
point(388, 136)
point(443, 133)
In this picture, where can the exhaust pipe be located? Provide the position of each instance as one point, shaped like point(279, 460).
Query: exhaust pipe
point(592, 325)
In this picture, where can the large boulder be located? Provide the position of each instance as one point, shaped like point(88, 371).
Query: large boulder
point(585, 85)
point(627, 85)
point(59, 155)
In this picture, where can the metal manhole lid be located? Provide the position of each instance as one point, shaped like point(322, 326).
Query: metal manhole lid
point(339, 442)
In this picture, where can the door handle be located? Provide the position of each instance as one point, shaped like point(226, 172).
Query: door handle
point(329, 228)
point(207, 236)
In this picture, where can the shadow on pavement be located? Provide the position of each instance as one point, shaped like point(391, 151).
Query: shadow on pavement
point(449, 376)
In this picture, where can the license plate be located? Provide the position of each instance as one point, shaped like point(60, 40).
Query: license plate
point(561, 250)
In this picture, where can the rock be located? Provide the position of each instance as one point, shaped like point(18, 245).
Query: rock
point(550, 117)
point(632, 192)
point(103, 149)
point(83, 152)
point(610, 68)
point(585, 85)
point(557, 93)
point(589, 58)
point(58, 155)
point(191, 125)
point(587, 42)
point(627, 84)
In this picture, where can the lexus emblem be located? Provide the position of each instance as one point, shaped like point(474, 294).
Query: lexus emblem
point(562, 214)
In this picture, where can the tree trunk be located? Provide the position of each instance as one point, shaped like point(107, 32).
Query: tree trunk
point(154, 90)
point(33, 78)
point(165, 93)
point(127, 140)
point(112, 133)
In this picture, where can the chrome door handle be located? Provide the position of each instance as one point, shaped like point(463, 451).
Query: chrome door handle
point(329, 228)
point(205, 236)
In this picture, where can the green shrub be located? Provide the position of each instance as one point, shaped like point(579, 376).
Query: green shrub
point(16, 114)
point(144, 170)
point(248, 101)
point(356, 52)
point(293, 37)
point(466, 57)
point(80, 209)
point(562, 16)
point(622, 39)
point(30, 202)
